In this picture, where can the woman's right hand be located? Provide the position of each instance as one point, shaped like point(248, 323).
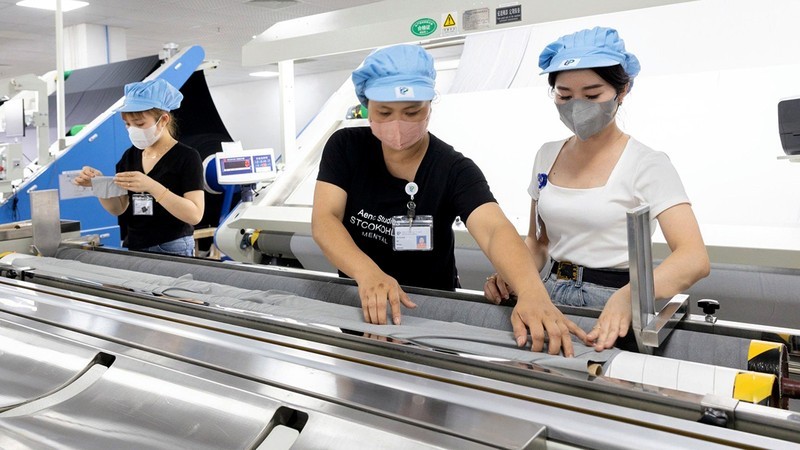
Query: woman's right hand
point(85, 177)
point(375, 289)
point(496, 289)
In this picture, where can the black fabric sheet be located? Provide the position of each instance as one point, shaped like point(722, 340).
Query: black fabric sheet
point(201, 127)
point(91, 91)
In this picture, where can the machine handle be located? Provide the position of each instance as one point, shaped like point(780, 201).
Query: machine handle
point(708, 305)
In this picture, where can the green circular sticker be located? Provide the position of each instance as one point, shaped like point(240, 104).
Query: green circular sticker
point(423, 27)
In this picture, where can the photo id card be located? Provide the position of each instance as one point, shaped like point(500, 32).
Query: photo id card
point(142, 205)
point(412, 235)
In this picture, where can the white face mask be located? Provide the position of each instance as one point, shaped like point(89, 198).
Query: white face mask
point(142, 138)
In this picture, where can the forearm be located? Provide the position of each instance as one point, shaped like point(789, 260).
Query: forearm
point(516, 261)
point(182, 208)
point(338, 246)
point(679, 271)
point(538, 250)
point(114, 205)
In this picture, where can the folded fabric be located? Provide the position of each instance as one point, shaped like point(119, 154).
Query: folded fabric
point(104, 187)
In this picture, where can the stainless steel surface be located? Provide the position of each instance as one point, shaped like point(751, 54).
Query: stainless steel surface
point(20, 230)
point(33, 365)
point(665, 321)
point(641, 270)
point(45, 217)
point(448, 425)
point(352, 398)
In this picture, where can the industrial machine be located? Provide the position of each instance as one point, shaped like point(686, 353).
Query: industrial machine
point(105, 349)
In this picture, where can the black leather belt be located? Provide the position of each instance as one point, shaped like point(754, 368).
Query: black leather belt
point(605, 277)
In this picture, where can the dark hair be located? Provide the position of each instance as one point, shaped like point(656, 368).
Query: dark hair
point(613, 75)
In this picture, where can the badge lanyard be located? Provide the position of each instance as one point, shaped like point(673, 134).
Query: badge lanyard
point(412, 232)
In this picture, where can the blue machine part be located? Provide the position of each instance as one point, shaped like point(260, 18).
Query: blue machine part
point(100, 148)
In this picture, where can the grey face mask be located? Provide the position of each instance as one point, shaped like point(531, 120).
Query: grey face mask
point(586, 118)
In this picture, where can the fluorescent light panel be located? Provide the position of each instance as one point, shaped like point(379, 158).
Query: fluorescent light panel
point(50, 5)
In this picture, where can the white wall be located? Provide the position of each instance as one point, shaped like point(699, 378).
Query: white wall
point(251, 111)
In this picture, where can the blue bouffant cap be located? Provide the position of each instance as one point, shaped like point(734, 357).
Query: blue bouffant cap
point(598, 47)
point(145, 95)
point(400, 73)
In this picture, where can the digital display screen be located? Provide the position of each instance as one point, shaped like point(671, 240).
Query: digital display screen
point(230, 164)
point(253, 167)
point(237, 165)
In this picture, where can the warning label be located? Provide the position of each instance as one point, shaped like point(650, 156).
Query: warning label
point(449, 24)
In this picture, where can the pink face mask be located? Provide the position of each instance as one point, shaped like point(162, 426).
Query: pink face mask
point(399, 134)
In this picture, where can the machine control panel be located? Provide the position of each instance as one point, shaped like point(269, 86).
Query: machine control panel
point(245, 167)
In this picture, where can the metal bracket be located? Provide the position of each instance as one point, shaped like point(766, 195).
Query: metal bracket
point(649, 328)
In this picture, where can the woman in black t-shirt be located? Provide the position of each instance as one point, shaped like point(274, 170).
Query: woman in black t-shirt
point(163, 178)
point(386, 198)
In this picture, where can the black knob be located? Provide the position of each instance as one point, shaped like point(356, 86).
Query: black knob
point(713, 416)
point(709, 306)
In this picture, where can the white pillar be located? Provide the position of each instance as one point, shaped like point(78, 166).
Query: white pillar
point(288, 118)
point(60, 115)
point(87, 45)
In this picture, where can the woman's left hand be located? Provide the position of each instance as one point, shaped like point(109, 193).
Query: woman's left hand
point(496, 289)
point(134, 181)
point(614, 321)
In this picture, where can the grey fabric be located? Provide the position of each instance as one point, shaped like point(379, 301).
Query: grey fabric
point(104, 187)
point(449, 336)
point(711, 349)
point(767, 296)
point(478, 313)
point(696, 347)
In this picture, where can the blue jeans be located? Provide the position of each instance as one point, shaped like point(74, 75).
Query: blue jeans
point(183, 246)
point(577, 293)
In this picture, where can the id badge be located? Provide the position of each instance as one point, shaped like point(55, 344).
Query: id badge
point(412, 235)
point(142, 205)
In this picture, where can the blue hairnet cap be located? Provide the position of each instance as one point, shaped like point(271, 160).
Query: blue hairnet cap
point(400, 73)
point(145, 95)
point(598, 47)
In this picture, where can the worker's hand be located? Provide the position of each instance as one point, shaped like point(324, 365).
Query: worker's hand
point(613, 322)
point(375, 289)
point(496, 289)
point(540, 316)
point(85, 177)
point(134, 181)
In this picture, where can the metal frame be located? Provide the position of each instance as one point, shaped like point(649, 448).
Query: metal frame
point(649, 327)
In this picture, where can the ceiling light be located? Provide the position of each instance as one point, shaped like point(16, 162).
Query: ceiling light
point(264, 74)
point(50, 5)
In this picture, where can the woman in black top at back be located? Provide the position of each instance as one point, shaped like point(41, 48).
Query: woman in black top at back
point(163, 177)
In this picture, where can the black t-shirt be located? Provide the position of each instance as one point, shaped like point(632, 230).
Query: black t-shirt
point(180, 170)
point(450, 185)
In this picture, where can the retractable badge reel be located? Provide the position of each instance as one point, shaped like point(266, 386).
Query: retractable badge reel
point(412, 232)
